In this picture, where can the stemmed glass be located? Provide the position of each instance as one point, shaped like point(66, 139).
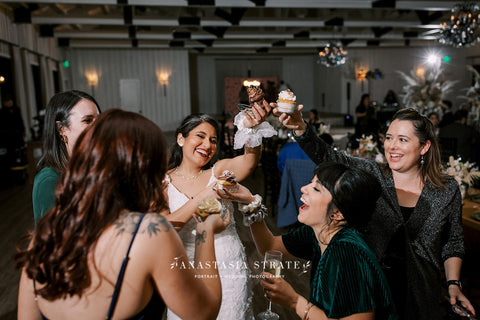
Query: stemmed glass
point(272, 263)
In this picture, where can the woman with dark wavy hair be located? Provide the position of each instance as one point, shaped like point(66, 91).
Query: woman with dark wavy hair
point(346, 279)
point(192, 176)
point(67, 115)
point(105, 250)
point(416, 230)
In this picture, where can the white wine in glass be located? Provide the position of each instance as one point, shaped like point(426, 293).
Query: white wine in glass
point(272, 263)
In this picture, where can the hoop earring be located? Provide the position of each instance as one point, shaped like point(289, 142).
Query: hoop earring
point(421, 160)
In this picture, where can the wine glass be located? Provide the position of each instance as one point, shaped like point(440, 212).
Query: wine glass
point(272, 263)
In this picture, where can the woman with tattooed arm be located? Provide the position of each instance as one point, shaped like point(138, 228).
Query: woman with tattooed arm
point(104, 251)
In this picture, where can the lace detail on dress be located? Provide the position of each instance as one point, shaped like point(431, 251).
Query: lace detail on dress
point(231, 260)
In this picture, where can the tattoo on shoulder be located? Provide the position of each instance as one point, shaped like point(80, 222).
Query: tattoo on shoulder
point(200, 237)
point(154, 223)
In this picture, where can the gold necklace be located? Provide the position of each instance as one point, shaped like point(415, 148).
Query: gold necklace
point(195, 176)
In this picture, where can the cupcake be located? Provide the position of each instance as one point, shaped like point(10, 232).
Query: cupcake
point(227, 180)
point(208, 206)
point(255, 94)
point(287, 102)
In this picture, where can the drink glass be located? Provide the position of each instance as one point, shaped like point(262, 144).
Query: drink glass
point(272, 263)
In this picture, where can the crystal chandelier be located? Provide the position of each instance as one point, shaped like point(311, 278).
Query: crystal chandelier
point(332, 55)
point(462, 30)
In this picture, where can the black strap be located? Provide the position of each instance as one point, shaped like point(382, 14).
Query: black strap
point(113, 303)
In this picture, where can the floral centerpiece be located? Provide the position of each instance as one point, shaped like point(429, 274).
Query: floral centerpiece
point(473, 93)
point(368, 148)
point(465, 173)
point(425, 91)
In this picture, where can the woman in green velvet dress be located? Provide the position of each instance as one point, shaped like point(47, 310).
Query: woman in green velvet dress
point(346, 280)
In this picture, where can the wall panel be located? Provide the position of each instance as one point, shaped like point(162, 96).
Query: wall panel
point(166, 109)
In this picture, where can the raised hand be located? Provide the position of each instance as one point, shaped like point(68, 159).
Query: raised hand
point(260, 112)
point(242, 195)
point(292, 121)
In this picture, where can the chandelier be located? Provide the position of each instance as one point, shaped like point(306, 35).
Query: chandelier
point(462, 30)
point(332, 55)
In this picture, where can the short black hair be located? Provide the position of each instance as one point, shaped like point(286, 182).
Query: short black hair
point(354, 191)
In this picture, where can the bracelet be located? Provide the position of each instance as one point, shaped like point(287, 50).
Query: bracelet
point(455, 283)
point(252, 206)
point(307, 310)
point(251, 137)
point(258, 216)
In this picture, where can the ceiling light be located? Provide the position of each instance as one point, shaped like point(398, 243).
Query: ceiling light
point(462, 30)
point(332, 55)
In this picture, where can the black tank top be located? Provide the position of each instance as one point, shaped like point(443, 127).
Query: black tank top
point(154, 308)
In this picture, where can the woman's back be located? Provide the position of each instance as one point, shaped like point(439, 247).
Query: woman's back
point(137, 286)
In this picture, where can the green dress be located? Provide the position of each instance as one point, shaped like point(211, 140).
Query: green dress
point(43, 194)
point(346, 279)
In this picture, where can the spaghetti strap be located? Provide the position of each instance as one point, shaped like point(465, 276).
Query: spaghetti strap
point(122, 272)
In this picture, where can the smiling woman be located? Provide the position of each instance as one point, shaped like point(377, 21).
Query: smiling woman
point(416, 229)
point(191, 178)
point(67, 115)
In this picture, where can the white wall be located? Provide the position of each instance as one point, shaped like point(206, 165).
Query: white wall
point(324, 89)
point(166, 110)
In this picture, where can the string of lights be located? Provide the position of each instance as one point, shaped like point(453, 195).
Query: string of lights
point(462, 30)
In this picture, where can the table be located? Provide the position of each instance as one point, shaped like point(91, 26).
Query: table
point(470, 207)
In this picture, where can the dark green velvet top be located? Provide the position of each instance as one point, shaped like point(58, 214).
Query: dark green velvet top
point(43, 194)
point(346, 279)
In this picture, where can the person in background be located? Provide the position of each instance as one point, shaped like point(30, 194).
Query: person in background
point(12, 129)
point(366, 122)
point(346, 280)
point(390, 99)
point(313, 119)
point(434, 118)
point(448, 117)
point(105, 230)
point(192, 176)
point(416, 229)
point(67, 115)
point(465, 135)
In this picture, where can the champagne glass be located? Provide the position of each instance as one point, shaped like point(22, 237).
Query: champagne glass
point(272, 263)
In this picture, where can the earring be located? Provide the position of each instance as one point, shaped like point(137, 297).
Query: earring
point(65, 139)
point(421, 160)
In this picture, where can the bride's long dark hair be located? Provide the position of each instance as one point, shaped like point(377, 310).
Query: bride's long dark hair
point(118, 164)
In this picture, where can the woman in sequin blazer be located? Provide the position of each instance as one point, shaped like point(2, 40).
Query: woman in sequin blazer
point(416, 229)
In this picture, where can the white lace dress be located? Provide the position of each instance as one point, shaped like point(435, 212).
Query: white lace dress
point(231, 261)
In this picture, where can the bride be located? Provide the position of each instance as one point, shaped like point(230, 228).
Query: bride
point(192, 178)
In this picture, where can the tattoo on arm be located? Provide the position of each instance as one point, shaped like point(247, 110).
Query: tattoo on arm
point(200, 237)
point(154, 223)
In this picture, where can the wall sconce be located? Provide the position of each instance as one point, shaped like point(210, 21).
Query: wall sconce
point(251, 83)
point(2, 79)
point(92, 78)
point(361, 74)
point(162, 77)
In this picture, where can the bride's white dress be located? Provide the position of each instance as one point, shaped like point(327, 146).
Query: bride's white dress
point(231, 261)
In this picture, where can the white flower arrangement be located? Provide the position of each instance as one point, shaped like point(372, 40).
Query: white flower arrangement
point(368, 148)
point(473, 93)
point(425, 91)
point(465, 173)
